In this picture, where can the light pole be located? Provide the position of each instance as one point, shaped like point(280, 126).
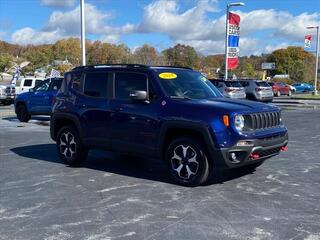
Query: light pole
point(83, 34)
point(315, 92)
point(227, 33)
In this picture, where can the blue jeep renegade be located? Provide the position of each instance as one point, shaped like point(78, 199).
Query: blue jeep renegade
point(38, 101)
point(171, 113)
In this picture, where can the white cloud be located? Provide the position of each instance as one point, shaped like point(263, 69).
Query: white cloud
point(30, 36)
point(58, 3)
point(67, 24)
point(164, 16)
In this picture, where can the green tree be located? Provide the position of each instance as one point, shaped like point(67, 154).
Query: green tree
point(67, 49)
point(293, 61)
point(182, 55)
point(145, 55)
point(6, 61)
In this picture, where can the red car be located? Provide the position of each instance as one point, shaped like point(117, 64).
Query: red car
point(280, 88)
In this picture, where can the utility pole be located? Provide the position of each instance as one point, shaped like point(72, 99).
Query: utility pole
point(83, 34)
point(227, 36)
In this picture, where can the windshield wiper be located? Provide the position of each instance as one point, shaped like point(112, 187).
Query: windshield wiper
point(180, 97)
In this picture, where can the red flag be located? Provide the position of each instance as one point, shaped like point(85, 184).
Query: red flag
point(307, 41)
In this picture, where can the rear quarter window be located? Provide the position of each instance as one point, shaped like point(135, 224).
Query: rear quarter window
point(262, 84)
point(27, 83)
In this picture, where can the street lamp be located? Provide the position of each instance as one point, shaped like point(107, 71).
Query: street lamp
point(227, 31)
point(317, 56)
point(83, 35)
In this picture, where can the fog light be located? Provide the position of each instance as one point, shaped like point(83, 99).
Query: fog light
point(233, 157)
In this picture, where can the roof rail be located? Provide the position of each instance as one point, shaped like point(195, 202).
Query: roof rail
point(120, 65)
point(175, 67)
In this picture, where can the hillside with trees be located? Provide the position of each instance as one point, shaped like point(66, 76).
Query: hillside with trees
point(294, 61)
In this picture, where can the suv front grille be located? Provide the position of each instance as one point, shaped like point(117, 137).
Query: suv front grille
point(264, 120)
point(10, 90)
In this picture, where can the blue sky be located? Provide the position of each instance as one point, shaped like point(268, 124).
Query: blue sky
point(265, 24)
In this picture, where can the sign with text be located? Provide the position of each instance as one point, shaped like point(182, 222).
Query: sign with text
point(233, 40)
point(268, 65)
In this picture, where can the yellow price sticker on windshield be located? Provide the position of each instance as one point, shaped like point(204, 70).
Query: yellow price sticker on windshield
point(168, 75)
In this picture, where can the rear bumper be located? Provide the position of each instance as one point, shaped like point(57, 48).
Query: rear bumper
point(255, 150)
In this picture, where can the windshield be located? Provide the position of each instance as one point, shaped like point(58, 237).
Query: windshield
point(182, 83)
point(232, 84)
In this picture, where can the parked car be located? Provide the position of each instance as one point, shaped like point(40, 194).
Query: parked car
point(280, 88)
point(170, 113)
point(38, 101)
point(27, 83)
point(258, 90)
point(7, 94)
point(229, 89)
point(293, 89)
point(303, 87)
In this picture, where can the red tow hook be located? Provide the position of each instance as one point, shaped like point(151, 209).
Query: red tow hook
point(284, 148)
point(254, 156)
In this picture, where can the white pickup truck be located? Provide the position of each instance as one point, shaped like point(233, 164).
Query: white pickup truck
point(28, 83)
point(7, 94)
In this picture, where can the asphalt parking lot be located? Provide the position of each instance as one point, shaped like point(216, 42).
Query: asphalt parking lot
point(110, 197)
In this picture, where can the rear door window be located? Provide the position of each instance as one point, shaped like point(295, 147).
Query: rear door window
point(96, 84)
point(126, 83)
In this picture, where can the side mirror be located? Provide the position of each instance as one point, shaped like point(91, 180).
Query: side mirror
point(139, 95)
point(31, 90)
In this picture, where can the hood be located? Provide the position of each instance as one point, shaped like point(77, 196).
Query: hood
point(234, 105)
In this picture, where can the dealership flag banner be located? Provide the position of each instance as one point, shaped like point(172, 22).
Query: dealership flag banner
point(307, 41)
point(15, 77)
point(233, 40)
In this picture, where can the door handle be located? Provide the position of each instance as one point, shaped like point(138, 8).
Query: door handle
point(82, 106)
point(117, 109)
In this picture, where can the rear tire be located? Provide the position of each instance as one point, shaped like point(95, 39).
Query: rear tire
point(69, 146)
point(22, 113)
point(188, 163)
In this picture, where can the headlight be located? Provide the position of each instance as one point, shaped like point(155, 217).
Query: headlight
point(239, 122)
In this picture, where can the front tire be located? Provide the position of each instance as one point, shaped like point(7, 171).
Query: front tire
point(69, 146)
point(22, 113)
point(187, 161)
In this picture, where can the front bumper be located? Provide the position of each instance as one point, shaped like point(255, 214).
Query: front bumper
point(7, 97)
point(254, 151)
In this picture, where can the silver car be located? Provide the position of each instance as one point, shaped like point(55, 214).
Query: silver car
point(258, 90)
point(229, 88)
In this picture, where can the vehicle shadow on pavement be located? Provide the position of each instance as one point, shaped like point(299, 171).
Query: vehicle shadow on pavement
point(37, 118)
point(150, 169)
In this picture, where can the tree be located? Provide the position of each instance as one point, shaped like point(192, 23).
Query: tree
point(145, 55)
point(6, 61)
point(100, 53)
point(293, 61)
point(182, 55)
point(67, 49)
